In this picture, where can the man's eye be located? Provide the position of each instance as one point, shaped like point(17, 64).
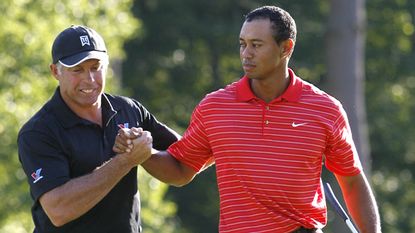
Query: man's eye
point(256, 45)
point(97, 67)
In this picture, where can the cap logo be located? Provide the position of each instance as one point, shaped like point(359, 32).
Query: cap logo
point(84, 40)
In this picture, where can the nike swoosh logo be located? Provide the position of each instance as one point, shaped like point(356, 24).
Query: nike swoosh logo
point(297, 125)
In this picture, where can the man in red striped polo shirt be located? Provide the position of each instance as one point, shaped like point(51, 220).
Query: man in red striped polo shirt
point(269, 134)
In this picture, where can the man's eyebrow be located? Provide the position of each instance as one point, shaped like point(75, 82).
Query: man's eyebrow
point(74, 67)
point(252, 40)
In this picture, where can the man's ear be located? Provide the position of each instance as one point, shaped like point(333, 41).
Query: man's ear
point(287, 47)
point(54, 71)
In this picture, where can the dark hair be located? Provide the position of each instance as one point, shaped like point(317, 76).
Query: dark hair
point(283, 24)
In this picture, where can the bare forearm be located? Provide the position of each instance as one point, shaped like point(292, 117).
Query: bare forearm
point(167, 169)
point(361, 205)
point(161, 164)
point(73, 199)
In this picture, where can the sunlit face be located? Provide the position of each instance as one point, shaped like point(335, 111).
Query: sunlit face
point(81, 86)
point(259, 52)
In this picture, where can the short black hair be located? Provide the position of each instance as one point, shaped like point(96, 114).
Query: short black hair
point(283, 24)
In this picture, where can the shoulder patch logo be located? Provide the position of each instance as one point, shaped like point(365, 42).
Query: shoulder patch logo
point(36, 175)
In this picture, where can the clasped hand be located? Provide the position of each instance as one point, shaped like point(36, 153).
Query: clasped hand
point(133, 144)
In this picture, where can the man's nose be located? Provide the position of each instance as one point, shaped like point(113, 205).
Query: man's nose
point(90, 75)
point(247, 52)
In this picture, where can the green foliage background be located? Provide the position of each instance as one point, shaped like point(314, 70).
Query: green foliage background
point(390, 67)
point(169, 54)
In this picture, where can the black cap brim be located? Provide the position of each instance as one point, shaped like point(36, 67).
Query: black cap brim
point(81, 57)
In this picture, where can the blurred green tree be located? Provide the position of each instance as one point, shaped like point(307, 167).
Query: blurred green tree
point(26, 34)
point(390, 73)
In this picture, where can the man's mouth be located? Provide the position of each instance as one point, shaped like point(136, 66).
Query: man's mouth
point(87, 91)
point(248, 66)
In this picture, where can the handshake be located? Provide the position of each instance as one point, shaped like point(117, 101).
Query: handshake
point(134, 145)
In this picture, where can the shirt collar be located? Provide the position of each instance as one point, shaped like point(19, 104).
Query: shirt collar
point(69, 119)
point(244, 92)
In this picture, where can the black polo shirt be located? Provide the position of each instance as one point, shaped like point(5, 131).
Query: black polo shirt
point(56, 145)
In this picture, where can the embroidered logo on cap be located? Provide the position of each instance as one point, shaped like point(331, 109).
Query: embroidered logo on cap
point(36, 175)
point(84, 40)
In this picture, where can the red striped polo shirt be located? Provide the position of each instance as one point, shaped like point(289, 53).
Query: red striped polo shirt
point(269, 155)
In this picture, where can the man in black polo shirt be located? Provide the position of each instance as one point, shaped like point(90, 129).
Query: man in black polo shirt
point(77, 182)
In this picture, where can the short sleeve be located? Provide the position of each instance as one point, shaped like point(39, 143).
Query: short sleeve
point(163, 136)
point(341, 154)
point(44, 164)
point(193, 149)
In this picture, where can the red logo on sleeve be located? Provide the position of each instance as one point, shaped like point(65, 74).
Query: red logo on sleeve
point(36, 175)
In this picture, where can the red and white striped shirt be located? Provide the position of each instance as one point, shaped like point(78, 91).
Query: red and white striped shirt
point(269, 155)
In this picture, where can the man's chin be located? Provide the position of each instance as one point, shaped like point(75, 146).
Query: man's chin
point(250, 75)
point(91, 102)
